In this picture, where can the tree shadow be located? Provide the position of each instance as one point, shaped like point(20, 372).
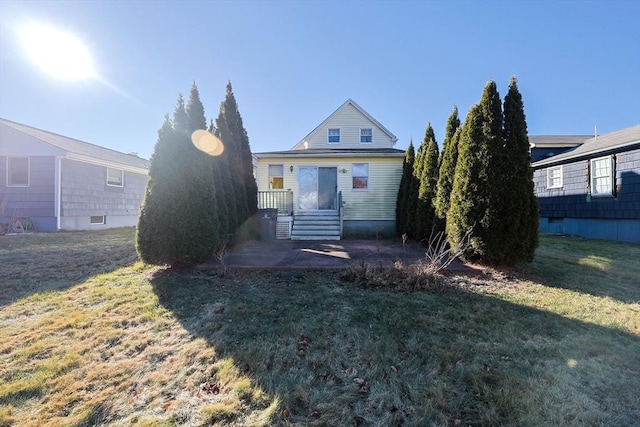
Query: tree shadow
point(451, 358)
point(44, 262)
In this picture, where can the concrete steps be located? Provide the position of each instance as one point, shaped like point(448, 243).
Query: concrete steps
point(316, 227)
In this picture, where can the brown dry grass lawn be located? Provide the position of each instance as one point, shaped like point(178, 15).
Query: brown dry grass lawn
point(89, 336)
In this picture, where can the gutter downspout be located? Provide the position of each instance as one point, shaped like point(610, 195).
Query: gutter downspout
point(58, 191)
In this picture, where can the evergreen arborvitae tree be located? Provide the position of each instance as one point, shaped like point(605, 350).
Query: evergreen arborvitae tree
point(175, 226)
point(403, 191)
point(445, 176)
point(195, 110)
point(203, 163)
point(521, 206)
point(425, 214)
point(223, 183)
point(470, 196)
point(412, 195)
point(231, 131)
point(447, 165)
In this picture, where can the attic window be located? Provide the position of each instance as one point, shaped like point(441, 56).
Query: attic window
point(333, 136)
point(114, 177)
point(366, 136)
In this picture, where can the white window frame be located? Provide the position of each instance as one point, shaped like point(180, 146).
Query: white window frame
point(353, 176)
point(275, 176)
point(594, 177)
point(8, 182)
point(102, 222)
point(371, 135)
point(329, 136)
point(111, 183)
point(551, 179)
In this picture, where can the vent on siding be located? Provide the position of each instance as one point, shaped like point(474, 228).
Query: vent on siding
point(283, 229)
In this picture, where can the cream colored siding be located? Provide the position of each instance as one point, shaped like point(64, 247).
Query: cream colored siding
point(349, 120)
point(378, 202)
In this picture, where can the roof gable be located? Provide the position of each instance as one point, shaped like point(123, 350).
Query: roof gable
point(349, 103)
point(610, 142)
point(79, 150)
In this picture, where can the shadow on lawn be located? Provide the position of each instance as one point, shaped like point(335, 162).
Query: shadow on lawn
point(45, 262)
point(444, 359)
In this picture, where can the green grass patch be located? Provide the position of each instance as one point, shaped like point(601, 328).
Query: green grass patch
point(556, 342)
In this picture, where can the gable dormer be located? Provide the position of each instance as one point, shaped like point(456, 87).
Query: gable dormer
point(349, 127)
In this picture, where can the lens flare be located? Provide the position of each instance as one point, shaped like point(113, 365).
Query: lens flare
point(207, 142)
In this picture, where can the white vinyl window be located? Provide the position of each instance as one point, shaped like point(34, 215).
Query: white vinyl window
point(366, 136)
point(601, 171)
point(333, 136)
point(115, 177)
point(554, 177)
point(18, 169)
point(276, 177)
point(360, 176)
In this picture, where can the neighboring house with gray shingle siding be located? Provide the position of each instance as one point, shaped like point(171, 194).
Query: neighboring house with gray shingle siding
point(60, 183)
point(593, 190)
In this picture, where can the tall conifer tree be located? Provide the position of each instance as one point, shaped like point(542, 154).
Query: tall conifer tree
point(425, 213)
point(521, 207)
point(175, 226)
point(230, 129)
point(447, 165)
point(211, 215)
point(469, 196)
point(403, 191)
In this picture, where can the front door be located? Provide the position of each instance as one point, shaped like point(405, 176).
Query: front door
point(318, 188)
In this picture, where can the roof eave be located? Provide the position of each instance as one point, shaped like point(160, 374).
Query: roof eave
point(569, 158)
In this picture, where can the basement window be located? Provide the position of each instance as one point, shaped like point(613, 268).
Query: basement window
point(98, 220)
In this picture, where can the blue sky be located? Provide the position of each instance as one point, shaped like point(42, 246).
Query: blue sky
point(293, 63)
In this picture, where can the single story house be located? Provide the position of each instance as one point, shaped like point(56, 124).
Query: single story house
point(343, 177)
point(51, 182)
point(594, 190)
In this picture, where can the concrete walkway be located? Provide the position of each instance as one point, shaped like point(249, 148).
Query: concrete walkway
point(326, 254)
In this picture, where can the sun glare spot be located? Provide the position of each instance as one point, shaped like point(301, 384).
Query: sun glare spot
point(597, 262)
point(59, 54)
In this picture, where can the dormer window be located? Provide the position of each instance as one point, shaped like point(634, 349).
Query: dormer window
point(334, 136)
point(366, 136)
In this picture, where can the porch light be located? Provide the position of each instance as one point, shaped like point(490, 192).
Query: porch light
point(291, 168)
point(343, 170)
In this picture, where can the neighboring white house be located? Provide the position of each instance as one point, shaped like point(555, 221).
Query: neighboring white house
point(343, 176)
point(60, 183)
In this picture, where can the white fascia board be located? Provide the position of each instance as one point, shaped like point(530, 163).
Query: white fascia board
point(99, 162)
point(327, 155)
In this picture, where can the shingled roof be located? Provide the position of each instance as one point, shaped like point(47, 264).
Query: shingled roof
point(622, 140)
point(79, 148)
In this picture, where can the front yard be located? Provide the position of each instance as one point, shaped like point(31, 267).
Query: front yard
point(89, 336)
